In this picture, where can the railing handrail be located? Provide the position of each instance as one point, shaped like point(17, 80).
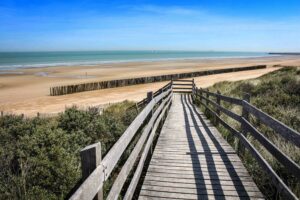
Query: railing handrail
point(283, 130)
point(286, 132)
point(94, 182)
point(145, 100)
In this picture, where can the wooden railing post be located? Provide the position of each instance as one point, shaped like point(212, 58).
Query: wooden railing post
point(137, 107)
point(193, 87)
point(160, 91)
point(207, 102)
point(207, 96)
point(200, 93)
point(90, 159)
point(218, 110)
point(2, 113)
point(194, 90)
point(149, 99)
point(245, 115)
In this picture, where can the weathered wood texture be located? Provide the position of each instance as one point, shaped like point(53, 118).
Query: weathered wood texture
point(143, 102)
point(69, 89)
point(191, 160)
point(286, 132)
point(94, 182)
point(127, 167)
point(90, 160)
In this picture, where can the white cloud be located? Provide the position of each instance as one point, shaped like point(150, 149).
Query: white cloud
point(168, 10)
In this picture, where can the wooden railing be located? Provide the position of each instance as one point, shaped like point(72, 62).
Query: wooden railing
point(215, 108)
point(95, 171)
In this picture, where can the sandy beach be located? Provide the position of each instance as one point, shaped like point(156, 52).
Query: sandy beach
point(27, 90)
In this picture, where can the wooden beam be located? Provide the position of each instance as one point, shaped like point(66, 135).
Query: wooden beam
point(137, 174)
point(127, 167)
point(90, 160)
point(282, 129)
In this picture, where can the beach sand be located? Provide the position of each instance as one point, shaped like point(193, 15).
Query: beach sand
point(28, 91)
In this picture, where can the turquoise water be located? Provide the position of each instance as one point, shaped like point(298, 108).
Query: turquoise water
point(15, 60)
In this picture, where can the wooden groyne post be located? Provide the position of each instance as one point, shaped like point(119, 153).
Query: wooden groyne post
point(69, 89)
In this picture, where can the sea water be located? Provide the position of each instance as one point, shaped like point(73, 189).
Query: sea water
point(16, 60)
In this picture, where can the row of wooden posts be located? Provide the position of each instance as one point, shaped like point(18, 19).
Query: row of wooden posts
point(38, 114)
point(81, 87)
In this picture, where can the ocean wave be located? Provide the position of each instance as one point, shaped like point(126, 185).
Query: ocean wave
point(95, 63)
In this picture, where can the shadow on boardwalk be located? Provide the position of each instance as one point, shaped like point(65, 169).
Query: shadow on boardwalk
point(191, 160)
point(188, 106)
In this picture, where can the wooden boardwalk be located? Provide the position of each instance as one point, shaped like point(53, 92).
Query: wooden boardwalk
point(191, 160)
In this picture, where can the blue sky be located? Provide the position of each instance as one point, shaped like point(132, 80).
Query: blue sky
point(225, 25)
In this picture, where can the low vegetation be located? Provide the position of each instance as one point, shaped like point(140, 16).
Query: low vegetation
point(39, 157)
point(278, 94)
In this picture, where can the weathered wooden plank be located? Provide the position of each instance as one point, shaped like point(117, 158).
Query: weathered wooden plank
point(182, 84)
point(231, 173)
point(203, 186)
point(186, 165)
point(90, 160)
point(275, 151)
point(166, 194)
point(182, 88)
point(116, 151)
point(203, 191)
point(120, 180)
point(137, 174)
point(278, 183)
point(285, 131)
point(186, 151)
point(194, 157)
point(95, 181)
point(188, 158)
point(222, 97)
point(204, 163)
point(208, 168)
point(205, 181)
point(205, 197)
point(224, 110)
point(200, 177)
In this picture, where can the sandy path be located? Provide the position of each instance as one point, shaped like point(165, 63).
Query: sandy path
point(28, 92)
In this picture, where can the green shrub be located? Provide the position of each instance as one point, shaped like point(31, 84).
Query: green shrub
point(39, 158)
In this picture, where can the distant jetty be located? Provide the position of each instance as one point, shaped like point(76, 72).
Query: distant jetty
point(279, 53)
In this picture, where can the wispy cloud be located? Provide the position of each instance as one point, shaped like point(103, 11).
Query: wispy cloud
point(167, 10)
